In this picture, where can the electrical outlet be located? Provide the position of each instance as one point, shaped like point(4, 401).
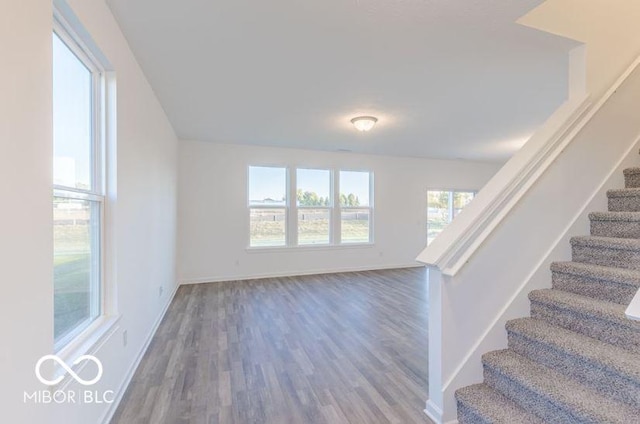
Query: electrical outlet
point(125, 338)
point(160, 291)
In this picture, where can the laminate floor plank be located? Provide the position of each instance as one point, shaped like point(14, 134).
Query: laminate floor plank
point(347, 348)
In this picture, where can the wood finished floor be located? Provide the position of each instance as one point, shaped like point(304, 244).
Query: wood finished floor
point(336, 348)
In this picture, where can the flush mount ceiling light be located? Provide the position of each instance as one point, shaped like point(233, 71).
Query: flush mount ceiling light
point(364, 123)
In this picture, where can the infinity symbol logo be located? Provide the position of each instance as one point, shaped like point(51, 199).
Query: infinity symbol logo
point(68, 369)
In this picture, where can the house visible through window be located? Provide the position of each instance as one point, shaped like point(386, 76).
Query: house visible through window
point(331, 207)
point(78, 190)
point(442, 207)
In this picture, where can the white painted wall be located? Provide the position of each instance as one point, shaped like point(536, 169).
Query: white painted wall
point(26, 251)
point(609, 29)
point(145, 208)
point(213, 218)
point(469, 310)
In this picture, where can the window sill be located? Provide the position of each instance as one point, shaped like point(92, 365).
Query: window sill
point(309, 248)
point(86, 343)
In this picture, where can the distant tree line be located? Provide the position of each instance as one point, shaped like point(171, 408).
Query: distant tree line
point(310, 198)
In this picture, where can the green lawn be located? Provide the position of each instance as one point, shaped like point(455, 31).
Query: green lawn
point(71, 297)
point(71, 276)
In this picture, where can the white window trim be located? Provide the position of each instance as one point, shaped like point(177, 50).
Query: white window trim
point(291, 211)
point(450, 205)
point(87, 338)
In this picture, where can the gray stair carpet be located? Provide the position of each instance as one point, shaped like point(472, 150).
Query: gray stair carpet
point(624, 200)
point(577, 358)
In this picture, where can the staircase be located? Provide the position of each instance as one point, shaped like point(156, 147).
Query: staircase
point(577, 359)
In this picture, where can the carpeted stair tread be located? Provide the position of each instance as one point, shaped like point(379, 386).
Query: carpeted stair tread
point(602, 320)
point(555, 393)
point(632, 177)
point(577, 359)
point(615, 224)
point(602, 355)
point(625, 276)
point(623, 192)
point(583, 305)
point(606, 242)
point(481, 404)
point(631, 171)
point(617, 285)
point(620, 252)
point(627, 199)
point(615, 216)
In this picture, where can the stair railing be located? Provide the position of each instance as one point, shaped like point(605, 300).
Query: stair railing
point(457, 243)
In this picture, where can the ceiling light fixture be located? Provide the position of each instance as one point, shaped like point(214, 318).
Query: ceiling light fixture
point(364, 123)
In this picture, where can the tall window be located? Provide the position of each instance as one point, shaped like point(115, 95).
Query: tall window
point(331, 207)
point(314, 201)
point(78, 189)
point(355, 207)
point(267, 206)
point(442, 207)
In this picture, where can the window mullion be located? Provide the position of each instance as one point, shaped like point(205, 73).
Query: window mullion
point(292, 213)
point(337, 209)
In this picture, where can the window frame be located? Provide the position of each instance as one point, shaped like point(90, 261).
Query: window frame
point(97, 323)
point(286, 207)
point(450, 206)
point(291, 210)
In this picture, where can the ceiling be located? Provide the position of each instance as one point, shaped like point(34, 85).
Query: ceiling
point(446, 78)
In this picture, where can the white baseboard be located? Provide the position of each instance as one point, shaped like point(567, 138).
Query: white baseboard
point(219, 279)
point(435, 413)
point(113, 407)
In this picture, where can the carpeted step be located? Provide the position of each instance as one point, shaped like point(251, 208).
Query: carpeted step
point(554, 397)
point(595, 318)
point(480, 404)
point(610, 370)
point(624, 200)
point(617, 285)
point(615, 224)
point(607, 251)
point(632, 177)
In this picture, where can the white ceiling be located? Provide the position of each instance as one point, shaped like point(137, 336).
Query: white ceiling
point(446, 78)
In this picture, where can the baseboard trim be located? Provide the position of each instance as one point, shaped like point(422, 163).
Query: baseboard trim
point(219, 279)
point(435, 413)
point(113, 407)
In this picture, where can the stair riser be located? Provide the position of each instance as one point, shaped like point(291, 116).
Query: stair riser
point(624, 204)
point(467, 416)
point(607, 257)
point(607, 382)
point(632, 180)
point(597, 289)
point(602, 330)
point(525, 398)
point(619, 229)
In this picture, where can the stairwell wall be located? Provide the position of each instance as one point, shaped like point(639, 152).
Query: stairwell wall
point(609, 28)
point(469, 309)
